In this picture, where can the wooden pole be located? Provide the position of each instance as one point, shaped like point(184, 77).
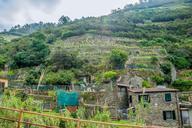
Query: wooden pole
point(20, 119)
point(78, 123)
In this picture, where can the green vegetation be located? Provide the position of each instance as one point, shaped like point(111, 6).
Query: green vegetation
point(118, 59)
point(146, 84)
point(150, 36)
point(32, 52)
point(110, 75)
point(59, 78)
point(158, 79)
point(183, 85)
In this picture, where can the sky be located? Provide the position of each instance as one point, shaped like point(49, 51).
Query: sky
point(14, 12)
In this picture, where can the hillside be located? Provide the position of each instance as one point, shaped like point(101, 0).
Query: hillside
point(154, 35)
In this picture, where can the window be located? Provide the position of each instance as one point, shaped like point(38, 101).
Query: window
point(145, 98)
point(168, 97)
point(169, 115)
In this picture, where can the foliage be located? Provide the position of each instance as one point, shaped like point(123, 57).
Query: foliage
point(180, 62)
point(64, 20)
point(33, 52)
point(146, 84)
point(158, 79)
point(61, 77)
point(3, 61)
point(166, 68)
point(118, 58)
point(110, 75)
point(182, 85)
point(181, 56)
point(65, 60)
point(29, 104)
point(32, 78)
point(103, 116)
point(29, 28)
point(138, 114)
point(154, 60)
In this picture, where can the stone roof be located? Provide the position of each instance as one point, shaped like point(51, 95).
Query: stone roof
point(152, 90)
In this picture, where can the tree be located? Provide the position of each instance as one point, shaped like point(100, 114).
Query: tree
point(64, 20)
point(2, 61)
point(32, 77)
point(32, 53)
point(59, 78)
point(118, 58)
point(180, 62)
point(62, 59)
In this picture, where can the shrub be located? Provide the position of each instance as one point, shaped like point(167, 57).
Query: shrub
point(154, 60)
point(110, 75)
point(146, 84)
point(183, 85)
point(59, 78)
point(158, 79)
point(118, 58)
point(180, 62)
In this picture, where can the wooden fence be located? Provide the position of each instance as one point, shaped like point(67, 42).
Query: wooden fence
point(79, 122)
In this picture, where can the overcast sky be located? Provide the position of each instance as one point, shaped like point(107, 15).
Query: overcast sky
point(13, 12)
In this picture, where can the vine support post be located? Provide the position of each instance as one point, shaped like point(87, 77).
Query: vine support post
point(78, 123)
point(20, 119)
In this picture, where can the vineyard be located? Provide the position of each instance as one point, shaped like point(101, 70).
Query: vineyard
point(99, 47)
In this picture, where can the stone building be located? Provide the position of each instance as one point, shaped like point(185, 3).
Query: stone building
point(135, 82)
point(163, 102)
point(186, 114)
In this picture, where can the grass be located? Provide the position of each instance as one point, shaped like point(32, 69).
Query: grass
point(127, 122)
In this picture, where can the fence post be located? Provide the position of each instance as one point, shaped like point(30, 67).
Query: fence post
point(78, 123)
point(20, 119)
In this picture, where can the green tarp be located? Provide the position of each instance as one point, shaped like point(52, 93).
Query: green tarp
point(67, 98)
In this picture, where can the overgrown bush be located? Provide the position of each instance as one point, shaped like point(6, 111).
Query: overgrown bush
point(59, 78)
point(158, 79)
point(118, 58)
point(146, 84)
point(183, 85)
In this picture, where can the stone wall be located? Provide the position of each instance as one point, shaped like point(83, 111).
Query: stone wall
point(157, 106)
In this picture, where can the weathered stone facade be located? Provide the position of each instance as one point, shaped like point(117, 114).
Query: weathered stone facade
point(158, 106)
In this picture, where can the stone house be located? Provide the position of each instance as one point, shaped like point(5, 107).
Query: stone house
point(164, 109)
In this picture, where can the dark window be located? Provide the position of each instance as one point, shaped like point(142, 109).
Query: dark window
point(169, 115)
point(168, 97)
point(130, 99)
point(145, 98)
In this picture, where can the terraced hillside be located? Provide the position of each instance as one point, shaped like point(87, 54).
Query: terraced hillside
point(97, 47)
